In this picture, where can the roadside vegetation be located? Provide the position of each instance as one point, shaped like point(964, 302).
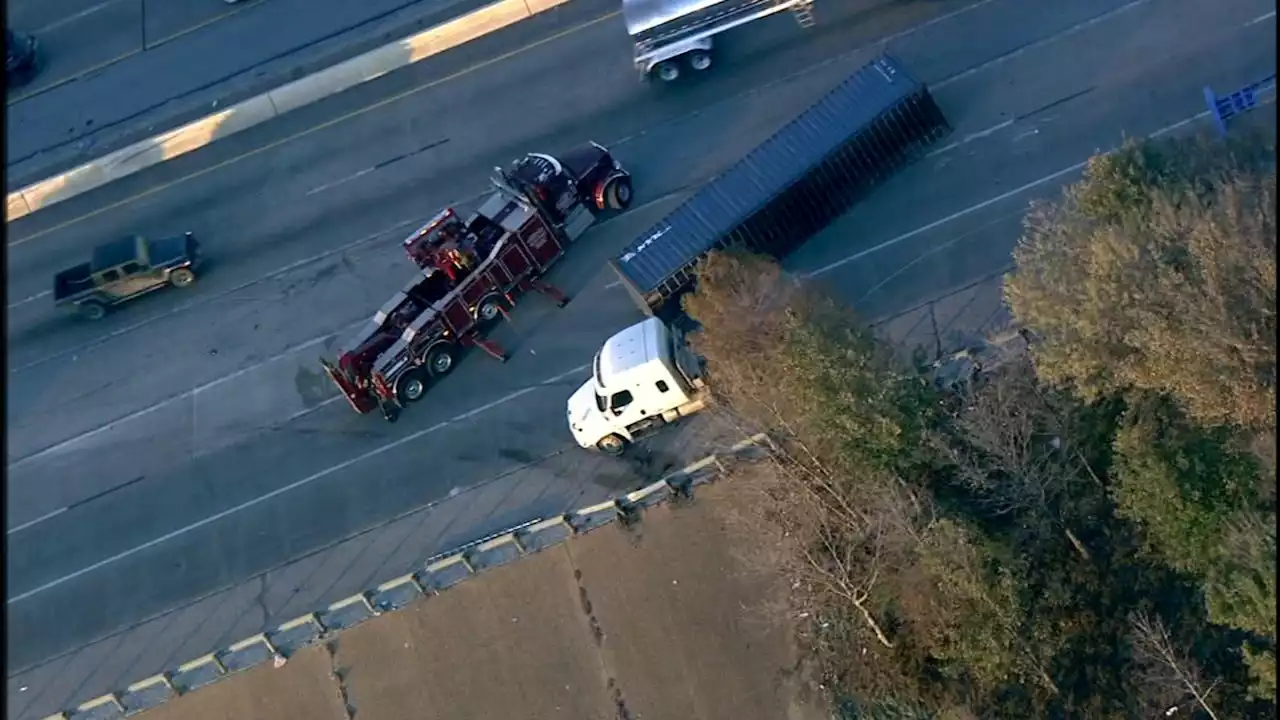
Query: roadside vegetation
point(1085, 529)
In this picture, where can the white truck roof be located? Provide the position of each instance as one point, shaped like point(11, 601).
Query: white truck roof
point(630, 348)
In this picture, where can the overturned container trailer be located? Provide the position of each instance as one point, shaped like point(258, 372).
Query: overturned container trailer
point(791, 186)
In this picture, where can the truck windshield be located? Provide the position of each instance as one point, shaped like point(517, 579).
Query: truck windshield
point(601, 403)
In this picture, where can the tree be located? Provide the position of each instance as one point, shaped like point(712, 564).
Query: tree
point(1152, 283)
point(1157, 271)
point(907, 607)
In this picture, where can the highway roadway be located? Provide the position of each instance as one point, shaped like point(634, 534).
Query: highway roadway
point(181, 475)
point(116, 71)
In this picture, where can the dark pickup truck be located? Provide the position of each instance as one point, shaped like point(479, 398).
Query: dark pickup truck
point(21, 61)
point(124, 269)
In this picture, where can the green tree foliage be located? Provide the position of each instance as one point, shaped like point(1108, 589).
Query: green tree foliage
point(1152, 283)
point(1184, 484)
point(1157, 271)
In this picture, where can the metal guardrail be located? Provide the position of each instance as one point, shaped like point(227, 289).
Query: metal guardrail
point(435, 575)
point(1223, 109)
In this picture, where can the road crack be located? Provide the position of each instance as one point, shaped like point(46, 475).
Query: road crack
point(612, 687)
point(339, 675)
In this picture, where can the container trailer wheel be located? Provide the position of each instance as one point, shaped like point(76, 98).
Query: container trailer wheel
point(440, 360)
point(613, 445)
point(617, 192)
point(411, 386)
point(668, 71)
point(699, 60)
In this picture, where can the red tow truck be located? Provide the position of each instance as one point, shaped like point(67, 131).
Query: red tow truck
point(471, 273)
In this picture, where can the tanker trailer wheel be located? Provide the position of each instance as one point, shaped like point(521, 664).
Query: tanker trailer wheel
point(440, 360)
point(699, 60)
point(613, 445)
point(411, 386)
point(617, 193)
point(667, 71)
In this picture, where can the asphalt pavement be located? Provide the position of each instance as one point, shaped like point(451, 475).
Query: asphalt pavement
point(116, 71)
point(184, 464)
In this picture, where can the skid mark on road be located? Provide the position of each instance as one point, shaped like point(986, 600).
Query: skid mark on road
point(294, 485)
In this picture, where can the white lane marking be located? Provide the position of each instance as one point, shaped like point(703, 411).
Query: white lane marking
point(336, 183)
point(1261, 18)
point(37, 521)
point(72, 18)
point(307, 411)
point(30, 299)
point(292, 486)
point(970, 138)
point(1038, 43)
point(987, 203)
point(203, 301)
point(192, 393)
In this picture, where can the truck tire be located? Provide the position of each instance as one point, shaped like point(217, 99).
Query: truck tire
point(92, 310)
point(411, 386)
point(440, 360)
point(699, 60)
point(667, 71)
point(612, 445)
point(490, 309)
point(617, 193)
point(182, 277)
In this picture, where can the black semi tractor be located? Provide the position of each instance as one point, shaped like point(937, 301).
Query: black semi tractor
point(791, 186)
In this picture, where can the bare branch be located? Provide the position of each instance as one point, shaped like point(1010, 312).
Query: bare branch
point(1154, 646)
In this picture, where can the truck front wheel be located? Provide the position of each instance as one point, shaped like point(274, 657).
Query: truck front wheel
point(440, 361)
point(411, 387)
point(617, 193)
point(92, 310)
point(613, 445)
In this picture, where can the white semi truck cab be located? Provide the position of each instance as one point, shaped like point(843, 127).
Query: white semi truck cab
point(643, 378)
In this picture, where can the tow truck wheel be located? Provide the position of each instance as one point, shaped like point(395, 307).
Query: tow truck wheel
point(92, 310)
point(617, 194)
point(613, 445)
point(699, 60)
point(440, 361)
point(182, 277)
point(490, 309)
point(411, 387)
point(668, 71)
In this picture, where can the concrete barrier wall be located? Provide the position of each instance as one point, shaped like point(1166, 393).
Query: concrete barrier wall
point(434, 576)
point(284, 99)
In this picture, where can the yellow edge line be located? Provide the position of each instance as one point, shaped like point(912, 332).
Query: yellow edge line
point(315, 128)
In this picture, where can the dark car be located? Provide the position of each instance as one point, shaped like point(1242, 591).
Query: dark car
point(124, 269)
point(20, 62)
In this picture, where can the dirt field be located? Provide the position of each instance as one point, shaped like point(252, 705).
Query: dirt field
point(660, 620)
